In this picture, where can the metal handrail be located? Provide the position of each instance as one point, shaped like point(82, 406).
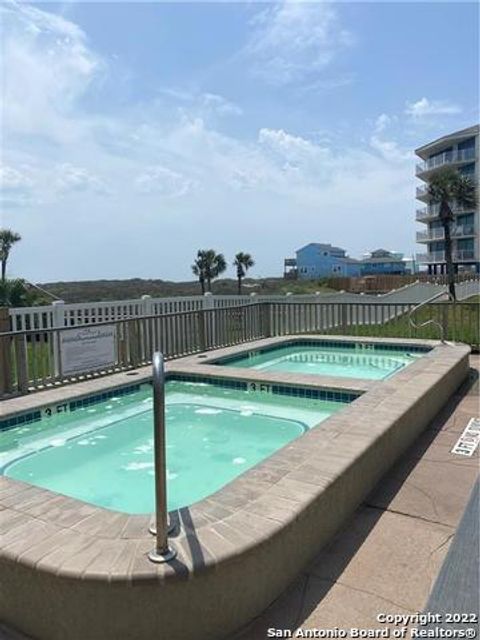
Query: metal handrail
point(162, 552)
point(432, 320)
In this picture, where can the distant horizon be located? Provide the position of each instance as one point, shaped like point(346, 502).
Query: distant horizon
point(297, 123)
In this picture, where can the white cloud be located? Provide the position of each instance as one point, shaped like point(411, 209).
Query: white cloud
point(164, 182)
point(11, 178)
point(48, 66)
point(382, 122)
point(72, 178)
point(202, 103)
point(390, 150)
point(424, 107)
point(220, 105)
point(16, 184)
point(292, 40)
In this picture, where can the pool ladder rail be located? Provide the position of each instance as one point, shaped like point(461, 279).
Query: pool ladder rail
point(162, 552)
point(432, 320)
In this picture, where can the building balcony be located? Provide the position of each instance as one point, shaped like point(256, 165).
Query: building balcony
point(432, 211)
point(445, 159)
point(461, 231)
point(462, 255)
point(422, 192)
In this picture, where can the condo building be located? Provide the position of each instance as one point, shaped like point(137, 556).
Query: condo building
point(459, 150)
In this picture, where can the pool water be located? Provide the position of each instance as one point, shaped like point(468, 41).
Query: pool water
point(103, 454)
point(358, 361)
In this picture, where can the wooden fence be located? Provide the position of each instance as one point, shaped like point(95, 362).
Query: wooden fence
point(31, 359)
point(384, 283)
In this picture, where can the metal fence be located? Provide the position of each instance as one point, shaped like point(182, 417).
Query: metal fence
point(31, 359)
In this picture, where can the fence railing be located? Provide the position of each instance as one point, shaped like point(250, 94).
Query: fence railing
point(32, 359)
point(60, 314)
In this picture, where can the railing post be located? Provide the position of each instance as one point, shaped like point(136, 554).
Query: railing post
point(146, 330)
point(343, 318)
point(209, 306)
point(58, 321)
point(266, 324)
point(445, 310)
point(6, 382)
point(21, 361)
point(162, 552)
point(133, 342)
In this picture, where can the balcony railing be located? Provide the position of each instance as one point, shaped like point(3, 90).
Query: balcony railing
point(422, 191)
point(439, 256)
point(433, 210)
point(449, 157)
point(439, 233)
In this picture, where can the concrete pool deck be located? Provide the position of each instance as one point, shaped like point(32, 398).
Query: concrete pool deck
point(63, 555)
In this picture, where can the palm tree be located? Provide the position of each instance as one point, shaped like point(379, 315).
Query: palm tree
point(243, 262)
point(16, 293)
point(7, 239)
point(198, 268)
point(215, 264)
point(445, 187)
point(208, 266)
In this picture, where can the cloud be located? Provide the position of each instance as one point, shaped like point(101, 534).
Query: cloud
point(202, 103)
point(424, 107)
point(390, 150)
point(11, 178)
point(78, 179)
point(293, 40)
point(15, 186)
point(164, 182)
point(46, 58)
point(382, 122)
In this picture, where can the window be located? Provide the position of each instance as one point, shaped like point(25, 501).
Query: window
point(467, 144)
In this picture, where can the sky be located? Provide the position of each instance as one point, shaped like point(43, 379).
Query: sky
point(134, 134)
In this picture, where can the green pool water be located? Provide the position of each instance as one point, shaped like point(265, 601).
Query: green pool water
point(103, 454)
point(358, 362)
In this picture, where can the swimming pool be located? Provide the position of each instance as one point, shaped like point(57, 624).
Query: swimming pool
point(102, 452)
point(352, 360)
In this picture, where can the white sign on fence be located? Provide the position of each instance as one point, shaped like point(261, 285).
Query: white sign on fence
point(87, 349)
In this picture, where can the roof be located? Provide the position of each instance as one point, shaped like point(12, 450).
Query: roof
point(456, 136)
point(388, 258)
point(320, 245)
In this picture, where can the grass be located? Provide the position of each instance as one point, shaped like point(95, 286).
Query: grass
point(461, 322)
point(100, 290)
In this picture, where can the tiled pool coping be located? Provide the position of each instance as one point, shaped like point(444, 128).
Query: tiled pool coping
point(83, 570)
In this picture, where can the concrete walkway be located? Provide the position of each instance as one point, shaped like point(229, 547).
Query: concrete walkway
point(388, 557)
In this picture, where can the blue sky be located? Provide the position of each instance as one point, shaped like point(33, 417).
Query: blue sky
point(134, 134)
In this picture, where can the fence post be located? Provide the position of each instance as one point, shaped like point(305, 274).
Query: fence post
point(445, 310)
point(58, 321)
point(21, 360)
point(146, 305)
point(266, 325)
point(343, 318)
point(5, 361)
point(208, 307)
point(146, 329)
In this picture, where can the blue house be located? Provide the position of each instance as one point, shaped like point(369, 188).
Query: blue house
point(382, 262)
point(317, 260)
